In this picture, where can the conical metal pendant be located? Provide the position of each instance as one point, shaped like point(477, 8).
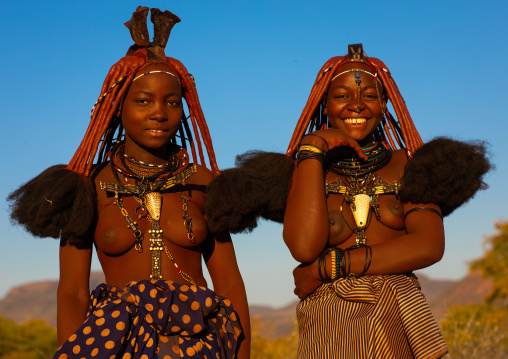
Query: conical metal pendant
point(361, 209)
point(153, 202)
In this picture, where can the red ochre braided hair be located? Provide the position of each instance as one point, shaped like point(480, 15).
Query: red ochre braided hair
point(394, 133)
point(105, 126)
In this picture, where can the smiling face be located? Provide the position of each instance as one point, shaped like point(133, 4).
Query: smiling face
point(356, 110)
point(151, 113)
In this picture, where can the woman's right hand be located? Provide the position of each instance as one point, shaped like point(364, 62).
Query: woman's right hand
point(306, 279)
point(332, 138)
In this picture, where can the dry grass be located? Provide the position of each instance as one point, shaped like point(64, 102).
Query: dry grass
point(476, 332)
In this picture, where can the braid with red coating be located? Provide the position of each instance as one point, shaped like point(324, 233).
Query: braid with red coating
point(410, 135)
point(196, 115)
point(311, 110)
point(104, 112)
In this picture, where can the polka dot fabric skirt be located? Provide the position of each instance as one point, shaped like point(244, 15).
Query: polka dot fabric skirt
point(155, 319)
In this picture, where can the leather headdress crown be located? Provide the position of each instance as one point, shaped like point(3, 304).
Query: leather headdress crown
point(163, 22)
point(355, 53)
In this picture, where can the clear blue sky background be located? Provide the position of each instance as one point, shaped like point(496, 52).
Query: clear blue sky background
point(254, 64)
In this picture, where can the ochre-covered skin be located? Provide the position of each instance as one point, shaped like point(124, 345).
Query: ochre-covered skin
point(150, 112)
point(346, 110)
point(314, 221)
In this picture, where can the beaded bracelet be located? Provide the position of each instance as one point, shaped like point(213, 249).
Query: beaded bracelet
point(346, 269)
point(322, 266)
point(348, 273)
point(423, 209)
point(368, 259)
point(310, 148)
point(304, 155)
point(321, 138)
point(334, 268)
point(339, 263)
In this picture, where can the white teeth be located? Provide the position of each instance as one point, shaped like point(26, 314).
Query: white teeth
point(355, 121)
point(156, 130)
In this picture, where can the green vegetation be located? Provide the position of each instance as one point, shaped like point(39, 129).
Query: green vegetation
point(263, 347)
point(481, 331)
point(34, 339)
point(476, 332)
point(494, 264)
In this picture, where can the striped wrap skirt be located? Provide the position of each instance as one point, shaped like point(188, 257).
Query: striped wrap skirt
point(155, 319)
point(381, 316)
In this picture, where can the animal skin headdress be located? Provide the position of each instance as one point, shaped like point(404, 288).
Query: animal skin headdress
point(398, 132)
point(105, 126)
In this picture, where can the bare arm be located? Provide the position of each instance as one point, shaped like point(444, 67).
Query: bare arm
point(422, 246)
point(221, 262)
point(306, 226)
point(73, 290)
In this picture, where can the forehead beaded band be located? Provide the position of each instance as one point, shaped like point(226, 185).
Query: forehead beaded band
point(122, 79)
point(157, 72)
point(357, 73)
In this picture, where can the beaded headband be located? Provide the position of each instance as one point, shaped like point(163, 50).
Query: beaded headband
point(157, 72)
point(355, 71)
point(122, 79)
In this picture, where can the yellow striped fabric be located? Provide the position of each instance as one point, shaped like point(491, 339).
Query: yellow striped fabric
point(371, 317)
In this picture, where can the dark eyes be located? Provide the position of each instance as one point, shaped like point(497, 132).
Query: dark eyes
point(370, 96)
point(144, 102)
point(366, 96)
point(175, 103)
point(341, 96)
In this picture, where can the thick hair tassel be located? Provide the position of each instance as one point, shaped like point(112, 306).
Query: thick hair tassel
point(138, 27)
point(163, 23)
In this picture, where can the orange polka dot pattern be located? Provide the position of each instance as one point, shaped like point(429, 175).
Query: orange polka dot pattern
point(155, 319)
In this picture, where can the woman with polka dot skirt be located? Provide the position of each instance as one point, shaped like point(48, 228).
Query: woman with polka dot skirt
point(134, 193)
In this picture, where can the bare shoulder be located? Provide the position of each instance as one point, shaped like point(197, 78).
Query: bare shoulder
point(203, 175)
point(394, 170)
point(103, 174)
point(399, 160)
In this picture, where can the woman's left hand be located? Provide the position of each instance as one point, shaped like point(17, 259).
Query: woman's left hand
point(306, 279)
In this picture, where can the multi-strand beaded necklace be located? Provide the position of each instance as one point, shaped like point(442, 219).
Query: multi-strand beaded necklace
point(149, 181)
point(359, 184)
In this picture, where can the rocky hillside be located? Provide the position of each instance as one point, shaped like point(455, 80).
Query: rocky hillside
point(470, 290)
point(38, 300)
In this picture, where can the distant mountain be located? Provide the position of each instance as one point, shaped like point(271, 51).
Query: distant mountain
point(276, 322)
point(38, 300)
point(470, 290)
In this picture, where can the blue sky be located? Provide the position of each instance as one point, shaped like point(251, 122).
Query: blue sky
point(254, 64)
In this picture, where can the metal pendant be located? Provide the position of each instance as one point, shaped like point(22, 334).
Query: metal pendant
point(153, 201)
point(361, 209)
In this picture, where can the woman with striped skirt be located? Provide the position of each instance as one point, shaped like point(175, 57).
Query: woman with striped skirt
point(365, 209)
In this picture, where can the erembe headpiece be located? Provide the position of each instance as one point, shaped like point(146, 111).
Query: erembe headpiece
point(394, 132)
point(105, 128)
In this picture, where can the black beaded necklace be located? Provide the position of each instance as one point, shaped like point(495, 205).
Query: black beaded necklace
point(345, 161)
point(359, 184)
